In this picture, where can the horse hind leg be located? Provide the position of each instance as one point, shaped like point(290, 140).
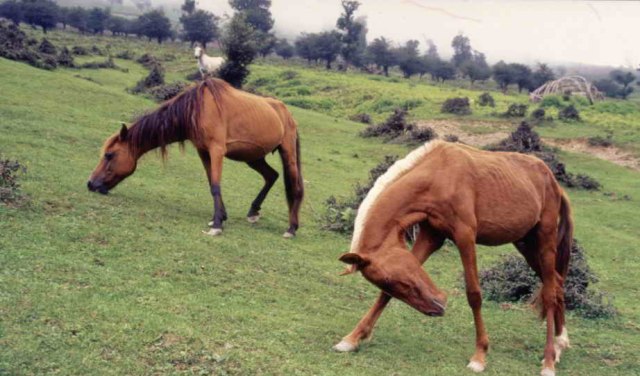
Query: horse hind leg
point(270, 176)
point(294, 188)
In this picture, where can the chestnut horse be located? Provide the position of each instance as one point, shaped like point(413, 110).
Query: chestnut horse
point(470, 196)
point(220, 121)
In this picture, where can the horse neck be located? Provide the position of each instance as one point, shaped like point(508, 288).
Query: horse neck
point(387, 220)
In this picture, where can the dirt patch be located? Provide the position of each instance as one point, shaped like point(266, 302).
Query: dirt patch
point(611, 153)
point(473, 133)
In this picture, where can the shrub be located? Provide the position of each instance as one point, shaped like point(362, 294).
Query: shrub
point(552, 101)
point(393, 127)
point(538, 114)
point(340, 215)
point(512, 280)
point(79, 50)
point(601, 141)
point(168, 91)
point(525, 140)
point(96, 50)
point(65, 58)
point(47, 47)
point(195, 76)
point(155, 78)
point(569, 113)
point(457, 106)
point(106, 64)
point(486, 99)
point(148, 61)
point(516, 110)
point(420, 135)
point(361, 118)
point(126, 55)
point(9, 185)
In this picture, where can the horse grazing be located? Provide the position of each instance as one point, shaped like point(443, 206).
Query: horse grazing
point(207, 64)
point(470, 196)
point(220, 121)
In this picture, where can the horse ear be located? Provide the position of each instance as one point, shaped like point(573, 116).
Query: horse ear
point(123, 132)
point(354, 259)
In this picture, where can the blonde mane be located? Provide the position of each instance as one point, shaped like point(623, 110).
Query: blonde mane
point(397, 170)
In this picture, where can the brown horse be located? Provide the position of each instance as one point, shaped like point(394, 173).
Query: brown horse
point(469, 196)
point(219, 121)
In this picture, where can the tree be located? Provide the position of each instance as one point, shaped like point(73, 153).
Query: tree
point(306, 46)
point(608, 87)
point(12, 10)
point(43, 13)
point(284, 49)
point(155, 25)
point(329, 46)
point(258, 15)
point(542, 75)
point(266, 43)
point(444, 70)
point(77, 17)
point(522, 76)
point(63, 16)
point(118, 25)
point(199, 26)
point(353, 35)
point(189, 6)
point(97, 20)
point(461, 50)
point(624, 79)
point(409, 60)
point(381, 54)
point(239, 45)
point(503, 75)
point(477, 68)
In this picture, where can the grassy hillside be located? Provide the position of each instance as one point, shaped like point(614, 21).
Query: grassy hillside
point(127, 284)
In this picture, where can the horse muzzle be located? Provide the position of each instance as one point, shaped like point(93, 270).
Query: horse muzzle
point(100, 188)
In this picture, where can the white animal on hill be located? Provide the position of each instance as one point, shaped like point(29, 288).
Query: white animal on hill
point(207, 64)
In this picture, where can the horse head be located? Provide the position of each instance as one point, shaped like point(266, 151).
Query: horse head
point(399, 274)
point(116, 163)
point(197, 52)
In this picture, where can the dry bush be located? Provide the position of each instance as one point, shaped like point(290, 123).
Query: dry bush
point(457, 106)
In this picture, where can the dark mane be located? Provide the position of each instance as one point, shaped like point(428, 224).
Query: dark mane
point(176, 120)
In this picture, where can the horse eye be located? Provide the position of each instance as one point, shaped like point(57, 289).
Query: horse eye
point(109, 156)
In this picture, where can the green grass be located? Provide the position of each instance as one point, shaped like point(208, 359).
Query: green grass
point(127, 284)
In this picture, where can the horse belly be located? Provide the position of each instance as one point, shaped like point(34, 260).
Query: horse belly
point(506, 222)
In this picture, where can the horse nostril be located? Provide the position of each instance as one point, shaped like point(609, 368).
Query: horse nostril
point(89, 185)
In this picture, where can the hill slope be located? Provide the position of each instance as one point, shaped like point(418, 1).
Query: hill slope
point(126, 283)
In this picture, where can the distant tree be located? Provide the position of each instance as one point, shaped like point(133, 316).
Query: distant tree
point(118, 25)
point(284, 49)
point(306, 47)
point(43, 13)
point(97, 20)
point(155, 25)
point(77, 17)
point(63, 16)
point(189, 6)
point(381, 54)
point(522, 76)
point(409, 60)
point(12, 10)
point(542, 75)
point(609, 87)
point(444, 70)
point(432, 50)
point(258, 15)
point(477, 68)
point(329, 46)
point(199, 26)
point(431, 59)
point(239, 45)
point(352, 33)
point(461, 50)
point(503, 75)
point(266, 43)
point(623, 78)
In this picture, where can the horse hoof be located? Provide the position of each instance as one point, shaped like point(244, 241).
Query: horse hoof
point(288, 235)
point(210, 224)
point(548, 372)
point(475, 366)
point(345, 346)
point(253, 218)
point(213, 232)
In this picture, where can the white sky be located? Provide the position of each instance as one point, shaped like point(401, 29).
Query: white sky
point(588, 32)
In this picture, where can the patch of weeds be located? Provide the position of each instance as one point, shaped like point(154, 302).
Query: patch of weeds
point(79, 51)
point(47, 47)
point(512, 280)
point(65, 59)
point(397, 129)
point(569, 113)
point(516, 110)
point(126, 55)
point(168, 91)
point(485, 99)
point(538, 115)
point(154, 78)
point(148, 61)
point(525, 140)
point(361, 118)
point(457, 106)
point(341, 214)
point(95, 50)
point(605, 141)
point(288, 75)
point(106, 64)
point(10, 171)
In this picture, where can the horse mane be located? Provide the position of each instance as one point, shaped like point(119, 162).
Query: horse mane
point(176, 120)
point(396, 171)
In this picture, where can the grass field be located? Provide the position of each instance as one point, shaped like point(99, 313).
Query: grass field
point(127, 284)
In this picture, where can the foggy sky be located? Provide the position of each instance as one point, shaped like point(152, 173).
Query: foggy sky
point(589, 32)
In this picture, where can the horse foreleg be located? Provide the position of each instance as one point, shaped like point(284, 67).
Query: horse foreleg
point(270, 176)
point(216, 156)
point(426, 243)
point(465, 241)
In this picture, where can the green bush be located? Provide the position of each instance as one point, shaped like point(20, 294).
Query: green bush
point(165, 92)
point(485, 99)
point(10, 171)
point(569, 113)
point(457, 106)
point(516, 110)
point(552, 101)
point(155, 78)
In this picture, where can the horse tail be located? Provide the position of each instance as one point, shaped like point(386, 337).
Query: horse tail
point(565, 237)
